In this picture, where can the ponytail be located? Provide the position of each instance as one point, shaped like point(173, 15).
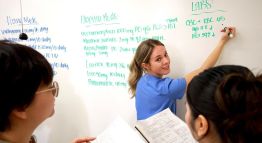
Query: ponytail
point(135, 73)
point(239, 99)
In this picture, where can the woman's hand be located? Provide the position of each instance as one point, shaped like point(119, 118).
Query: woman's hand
point(229, 32)
point(84, 140)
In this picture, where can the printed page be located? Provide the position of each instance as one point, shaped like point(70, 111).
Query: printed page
point(165, 127)
point(119, 132)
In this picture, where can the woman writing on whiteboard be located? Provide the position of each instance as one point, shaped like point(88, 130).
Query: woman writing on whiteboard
point(224, 105)
point(28, 93)
point(153, 92)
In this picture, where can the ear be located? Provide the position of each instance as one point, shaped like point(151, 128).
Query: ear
point(19, 113)
point(201, 126)
point(145, 66)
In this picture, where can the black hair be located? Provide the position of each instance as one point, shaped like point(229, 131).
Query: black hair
point(22, 70)
point(230, 97)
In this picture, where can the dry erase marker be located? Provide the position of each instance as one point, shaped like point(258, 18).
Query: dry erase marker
point(229, 34)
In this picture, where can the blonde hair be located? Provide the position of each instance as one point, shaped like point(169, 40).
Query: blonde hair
point(142, 55)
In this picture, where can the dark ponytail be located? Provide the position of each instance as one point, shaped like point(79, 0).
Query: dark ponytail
point(230, 97)
point(239, 99)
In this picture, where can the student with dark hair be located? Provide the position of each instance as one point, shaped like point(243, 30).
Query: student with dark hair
point(27, 92)
point(224, 105)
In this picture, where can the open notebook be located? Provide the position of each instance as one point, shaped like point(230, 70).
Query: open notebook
point(164, 127)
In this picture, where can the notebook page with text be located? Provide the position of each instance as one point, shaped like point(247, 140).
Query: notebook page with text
point(165, 127)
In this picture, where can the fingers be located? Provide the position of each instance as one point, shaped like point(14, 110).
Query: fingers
point(231, 31)
point(84, 140)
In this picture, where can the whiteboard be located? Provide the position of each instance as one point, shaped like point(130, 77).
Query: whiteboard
point(91, 43)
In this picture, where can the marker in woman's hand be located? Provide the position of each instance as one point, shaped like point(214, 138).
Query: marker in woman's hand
point(230, 34)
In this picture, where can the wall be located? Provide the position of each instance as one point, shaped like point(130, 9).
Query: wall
point(91, 43)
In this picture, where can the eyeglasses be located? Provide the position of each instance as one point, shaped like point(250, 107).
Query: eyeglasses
point(54, 88)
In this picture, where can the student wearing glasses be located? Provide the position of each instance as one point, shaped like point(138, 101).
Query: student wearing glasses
point(27, 92)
